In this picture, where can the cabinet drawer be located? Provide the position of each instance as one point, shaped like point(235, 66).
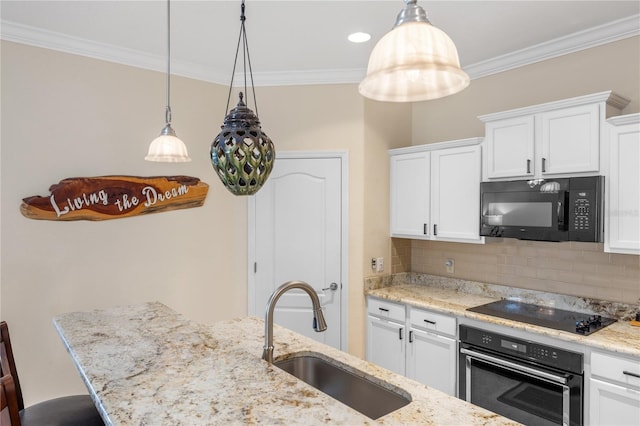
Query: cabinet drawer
point(623, 370)
point(384, 309)
point(433, 321)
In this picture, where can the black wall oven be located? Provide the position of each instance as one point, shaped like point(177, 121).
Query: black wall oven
point(563, 209)
point(528, 382)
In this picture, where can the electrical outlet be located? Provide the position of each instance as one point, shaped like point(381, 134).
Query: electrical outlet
point(450, 265)
point(380, 264)
point(374, 263)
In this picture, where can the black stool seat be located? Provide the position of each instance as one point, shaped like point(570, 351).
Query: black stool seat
point(76, 410)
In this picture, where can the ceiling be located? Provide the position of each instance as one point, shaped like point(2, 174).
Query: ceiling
point(305, 42)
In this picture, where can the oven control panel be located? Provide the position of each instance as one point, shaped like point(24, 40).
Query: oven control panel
point(522, 349)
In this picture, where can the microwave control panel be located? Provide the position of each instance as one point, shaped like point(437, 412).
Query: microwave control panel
point(584, 198)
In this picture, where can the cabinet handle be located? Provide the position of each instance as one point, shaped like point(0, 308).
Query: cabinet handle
point(629, 373)
point(544, 165)
point(384, 309)
point(528, 166)
point(410, 336)
point(400, 333)
point(430, 322)
point(435, 229)
point(424, 229)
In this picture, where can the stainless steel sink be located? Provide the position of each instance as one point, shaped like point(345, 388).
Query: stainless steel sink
point(359, 393)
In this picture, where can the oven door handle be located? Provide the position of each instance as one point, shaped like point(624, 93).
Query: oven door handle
point(532, 372)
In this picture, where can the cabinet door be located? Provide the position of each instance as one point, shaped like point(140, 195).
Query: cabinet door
point(510, 147)
point(385, 344)
point(409, 196)
point(611, 404)
point(623, 217)
point(570, 140)
point(431, 359)
point(455, 193)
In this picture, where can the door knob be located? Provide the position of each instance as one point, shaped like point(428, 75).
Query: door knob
point(332, 286)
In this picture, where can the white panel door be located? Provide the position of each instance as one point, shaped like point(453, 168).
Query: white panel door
point(298, 234)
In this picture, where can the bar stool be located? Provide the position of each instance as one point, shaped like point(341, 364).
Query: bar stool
point(75, 410)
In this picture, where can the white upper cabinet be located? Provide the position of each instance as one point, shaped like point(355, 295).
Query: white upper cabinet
point(455, 198)
point(510, 147)
point(622, 217)
point(409, 176)
point(435, 191)
point(570, 139)
point(556, 138)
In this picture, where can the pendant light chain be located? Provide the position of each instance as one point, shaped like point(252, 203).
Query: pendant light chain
point(246, 59)
point(167, 114)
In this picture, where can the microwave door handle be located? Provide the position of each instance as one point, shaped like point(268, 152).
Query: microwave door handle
point(562, 214)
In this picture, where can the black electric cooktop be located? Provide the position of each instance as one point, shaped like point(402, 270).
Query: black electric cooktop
point(543, 316)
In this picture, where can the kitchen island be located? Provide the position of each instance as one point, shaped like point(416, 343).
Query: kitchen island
point(148, 365)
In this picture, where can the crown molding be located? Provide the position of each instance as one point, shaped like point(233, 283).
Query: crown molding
point(33, 36)
point(592, 37)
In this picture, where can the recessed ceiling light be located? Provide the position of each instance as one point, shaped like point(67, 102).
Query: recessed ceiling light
point(359, 37)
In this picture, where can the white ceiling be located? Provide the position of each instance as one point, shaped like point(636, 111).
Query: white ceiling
point(303, 42)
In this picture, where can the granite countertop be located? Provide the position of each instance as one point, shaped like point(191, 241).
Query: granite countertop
point(147, 364)
point(455, 296)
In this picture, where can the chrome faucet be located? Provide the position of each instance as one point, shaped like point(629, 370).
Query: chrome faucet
point(319, 323)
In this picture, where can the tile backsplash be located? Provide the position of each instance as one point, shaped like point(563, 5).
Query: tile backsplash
point(572, 268)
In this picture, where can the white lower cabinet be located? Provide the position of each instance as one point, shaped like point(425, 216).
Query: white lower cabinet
point(421, 345)
point(431, 360)
point(382, 333)
point(614, 390)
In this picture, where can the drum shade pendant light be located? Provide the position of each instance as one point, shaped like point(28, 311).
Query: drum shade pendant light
point(242, 154)
point(413, 62)
point(167, 147)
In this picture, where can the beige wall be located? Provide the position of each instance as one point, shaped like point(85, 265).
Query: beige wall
point(65, 116)
point(569, 268)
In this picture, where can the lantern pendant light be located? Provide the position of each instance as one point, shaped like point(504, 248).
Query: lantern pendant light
point(415, 61)
point(242, 154)
point(167, 147)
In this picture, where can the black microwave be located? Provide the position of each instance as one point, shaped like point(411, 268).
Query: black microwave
point(563, 209)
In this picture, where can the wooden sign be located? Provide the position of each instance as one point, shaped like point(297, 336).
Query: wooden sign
point(114, 197)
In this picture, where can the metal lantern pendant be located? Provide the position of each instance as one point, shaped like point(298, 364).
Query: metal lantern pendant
point(242, 153)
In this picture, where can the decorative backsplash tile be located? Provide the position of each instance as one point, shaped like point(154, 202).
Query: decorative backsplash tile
point(572, 268)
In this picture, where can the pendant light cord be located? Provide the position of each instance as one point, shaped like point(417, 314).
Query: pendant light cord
point(167, 114)
point(246, 59)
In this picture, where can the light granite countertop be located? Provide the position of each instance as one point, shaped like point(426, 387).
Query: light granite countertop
point(455, 296)
point(148, 365)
